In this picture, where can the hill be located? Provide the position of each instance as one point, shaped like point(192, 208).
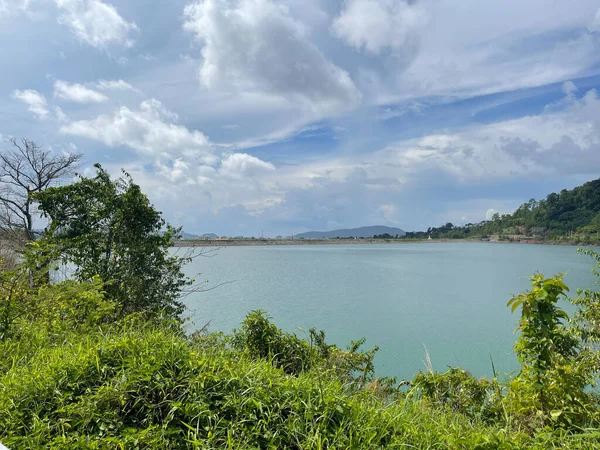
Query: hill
point(572, 215)
point(361, 232)
point(185, 235)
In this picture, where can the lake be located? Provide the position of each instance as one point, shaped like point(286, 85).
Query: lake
point(447, 297)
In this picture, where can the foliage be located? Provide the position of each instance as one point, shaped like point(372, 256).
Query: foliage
point(15, 300)
point(73, 378)
point(571, 215)
point(587, 318)
point(386, 236)
point(261, 339)
point(132, 386)
point(458, 390)
point(107, 227)
point(551, 385)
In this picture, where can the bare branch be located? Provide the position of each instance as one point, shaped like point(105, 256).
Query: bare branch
point(25, 169)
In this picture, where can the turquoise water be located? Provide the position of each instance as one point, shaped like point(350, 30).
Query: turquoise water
point(448, 298)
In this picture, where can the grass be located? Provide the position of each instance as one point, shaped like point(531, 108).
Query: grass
point(145, 385)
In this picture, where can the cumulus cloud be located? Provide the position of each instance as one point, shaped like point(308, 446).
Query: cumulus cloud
point(96, 23)
point(181, 166)
point(242, 164)
point(257, 46)
point(36, 102)
point(377, 25)
point(475, 49)
point(149, 130)
point(559, 142)
point(77, 93)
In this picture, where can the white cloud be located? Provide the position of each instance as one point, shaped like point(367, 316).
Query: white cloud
point(569, 88)
point(115, 85)
point(96, 23)
point(553, 144)
point(77, 93)
point(60, 114)
point(595, 25)
point(12, 7)
point(4, 10)
point(463, 51)
point(180, 166)
point(376, 25)
point(149, 130)
point(35, 101)
point(244, 164)
point(389, 212)
point(256, 46)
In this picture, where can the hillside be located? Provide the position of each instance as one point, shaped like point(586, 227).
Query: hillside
point(361, 232)
point(572, 215)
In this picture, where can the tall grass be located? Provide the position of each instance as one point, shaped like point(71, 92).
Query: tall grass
point(146, 385)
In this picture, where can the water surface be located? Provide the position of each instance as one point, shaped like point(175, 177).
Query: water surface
point(450, 298)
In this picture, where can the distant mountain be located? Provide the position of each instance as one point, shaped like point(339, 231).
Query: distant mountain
point(185, 235)
point(209, 236)
point(364, 232)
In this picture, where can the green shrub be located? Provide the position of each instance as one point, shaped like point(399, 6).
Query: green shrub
point(16, 300)
point(551, 388)
point(458, 390)
point(262, 339)
point(150, 387)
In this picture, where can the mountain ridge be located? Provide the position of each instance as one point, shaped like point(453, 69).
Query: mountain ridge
point(360, 232)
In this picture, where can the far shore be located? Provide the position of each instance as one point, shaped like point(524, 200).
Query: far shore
point(283, 242)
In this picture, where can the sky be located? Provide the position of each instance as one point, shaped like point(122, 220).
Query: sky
point(239, 117)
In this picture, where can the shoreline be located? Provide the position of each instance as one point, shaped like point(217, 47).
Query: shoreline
point(290, 242)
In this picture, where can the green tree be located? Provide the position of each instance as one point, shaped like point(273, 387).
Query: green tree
point(108, 228)
point(551, 386)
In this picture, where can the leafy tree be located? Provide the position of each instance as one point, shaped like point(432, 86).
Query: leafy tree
point(108, 228)
point(25, 170)
point(551, 386)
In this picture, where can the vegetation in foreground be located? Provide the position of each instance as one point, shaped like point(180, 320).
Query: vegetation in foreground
point(98, 361)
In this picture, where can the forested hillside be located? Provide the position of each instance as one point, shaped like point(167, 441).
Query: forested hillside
point(569, 215)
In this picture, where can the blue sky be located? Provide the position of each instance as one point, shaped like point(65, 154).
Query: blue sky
point(237, 116)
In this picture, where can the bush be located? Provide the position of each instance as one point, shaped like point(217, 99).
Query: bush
point(457, 390)
point(262, 339)
point(150, 387)
point(551, 388)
